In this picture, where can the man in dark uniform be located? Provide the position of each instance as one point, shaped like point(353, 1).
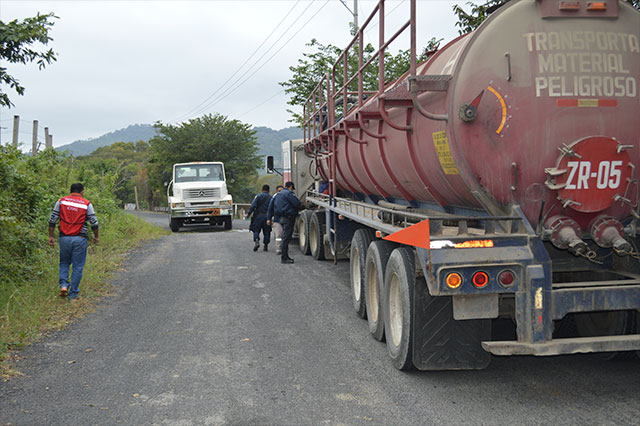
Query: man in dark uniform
point(259, 207)
point(286, 206)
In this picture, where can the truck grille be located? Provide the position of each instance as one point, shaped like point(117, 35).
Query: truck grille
point(202, 193)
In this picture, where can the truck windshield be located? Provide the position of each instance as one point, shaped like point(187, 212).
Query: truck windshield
point(199, 173)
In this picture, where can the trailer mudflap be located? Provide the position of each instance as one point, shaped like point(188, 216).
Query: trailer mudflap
point(575, 345)
point(442, 343)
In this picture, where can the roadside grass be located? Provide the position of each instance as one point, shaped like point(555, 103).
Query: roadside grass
point(30, 309)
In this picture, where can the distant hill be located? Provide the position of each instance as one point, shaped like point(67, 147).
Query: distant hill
point(268, 139)
point(133, 133)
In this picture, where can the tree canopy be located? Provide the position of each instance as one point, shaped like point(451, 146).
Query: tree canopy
point(17, 39)
point(208, 138)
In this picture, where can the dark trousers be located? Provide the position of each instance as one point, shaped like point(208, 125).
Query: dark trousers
point(260, 224)
point(287, 232)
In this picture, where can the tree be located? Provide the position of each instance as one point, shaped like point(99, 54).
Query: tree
point(16, 40)
point(208, 138)
point(314, 65)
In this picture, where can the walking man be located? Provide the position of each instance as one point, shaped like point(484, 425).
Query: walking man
point(258, 208)
point(73, 211)
point(274, 221)
point(286, 207)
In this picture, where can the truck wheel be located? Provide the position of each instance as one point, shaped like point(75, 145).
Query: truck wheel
point(303, 232)
point(375, 265)
point(359, 244)
point(606, 324)
point(398, 306)
point(316, 234)
point(174, 224)
point(228, 222)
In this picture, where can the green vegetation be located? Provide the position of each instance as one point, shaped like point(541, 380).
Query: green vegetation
point(28, 266)
point(16, 46)
point(208, 138)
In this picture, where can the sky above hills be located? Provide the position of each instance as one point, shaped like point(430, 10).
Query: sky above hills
point(123, 62)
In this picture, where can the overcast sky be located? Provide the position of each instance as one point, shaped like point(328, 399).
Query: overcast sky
point(132, 62)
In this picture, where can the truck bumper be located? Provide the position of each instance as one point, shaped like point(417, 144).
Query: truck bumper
point(191, 213)
point(575, 345)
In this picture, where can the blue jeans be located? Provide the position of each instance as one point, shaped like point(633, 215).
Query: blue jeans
point(73, 251)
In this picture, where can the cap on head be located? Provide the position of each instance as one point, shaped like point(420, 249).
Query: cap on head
point(77, 187)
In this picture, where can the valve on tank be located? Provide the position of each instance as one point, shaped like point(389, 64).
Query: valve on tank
point(563, 232)
point(608, 232)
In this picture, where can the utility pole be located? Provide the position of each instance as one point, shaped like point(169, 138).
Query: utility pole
point(47, 141)
point(50, 141)
point(355, 15)
point(34, 140)
point(16, 127)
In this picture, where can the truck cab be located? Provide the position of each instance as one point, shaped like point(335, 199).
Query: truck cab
point(198, 193)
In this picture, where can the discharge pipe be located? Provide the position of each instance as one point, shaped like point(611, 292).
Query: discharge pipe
point(563, 233)
point(609, 232)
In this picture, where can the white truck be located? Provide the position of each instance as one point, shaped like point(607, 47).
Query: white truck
point(198, 194)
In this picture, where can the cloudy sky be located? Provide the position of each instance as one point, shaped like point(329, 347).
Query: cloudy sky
point(130, 62)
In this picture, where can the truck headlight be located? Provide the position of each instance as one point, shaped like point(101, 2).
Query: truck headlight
point(174, 205)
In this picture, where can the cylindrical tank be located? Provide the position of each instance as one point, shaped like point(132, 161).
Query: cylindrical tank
point(556, 126)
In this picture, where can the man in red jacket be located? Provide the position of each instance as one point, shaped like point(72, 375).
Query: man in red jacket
point(73, 211)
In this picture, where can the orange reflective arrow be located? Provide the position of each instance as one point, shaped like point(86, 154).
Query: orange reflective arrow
point(415, 235)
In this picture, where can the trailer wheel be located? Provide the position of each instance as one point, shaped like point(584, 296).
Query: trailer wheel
point(375, 265)
point(174, 224)
point(228, 222)
point(398, 307)
point(606, 324)
point(358, 255)
point(316, 235)
point(303, 232)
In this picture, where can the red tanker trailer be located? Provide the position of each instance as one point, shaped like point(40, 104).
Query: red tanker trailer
point(495, 180)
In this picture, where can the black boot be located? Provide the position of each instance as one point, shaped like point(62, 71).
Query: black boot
point(256, 246)
point(265, 247)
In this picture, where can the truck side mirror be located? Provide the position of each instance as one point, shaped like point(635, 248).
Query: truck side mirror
point(164, 178)
point(270, 164)
point(232, 176)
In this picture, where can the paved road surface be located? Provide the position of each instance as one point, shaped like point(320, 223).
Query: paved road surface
point(203, 331)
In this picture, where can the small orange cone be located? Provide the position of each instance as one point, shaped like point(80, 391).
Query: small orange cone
point(415, 235)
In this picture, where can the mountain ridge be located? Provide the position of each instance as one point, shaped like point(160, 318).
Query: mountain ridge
point(268, 139)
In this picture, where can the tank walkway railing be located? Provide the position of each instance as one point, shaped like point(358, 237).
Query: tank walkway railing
point(445, 225)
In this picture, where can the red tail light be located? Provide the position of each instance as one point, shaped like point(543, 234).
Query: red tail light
point(506, 278)
point(480, 279)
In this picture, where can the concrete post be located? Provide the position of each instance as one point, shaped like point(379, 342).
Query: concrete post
point(46, 138)
point(34, 139)
point(16, 128)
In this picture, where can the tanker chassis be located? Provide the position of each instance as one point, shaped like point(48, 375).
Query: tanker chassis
point(479, 188)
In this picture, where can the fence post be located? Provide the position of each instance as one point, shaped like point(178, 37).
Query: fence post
point(34, 140)
point(16, 128)
point(47, 140)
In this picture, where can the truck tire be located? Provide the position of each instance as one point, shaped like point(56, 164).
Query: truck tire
point(399, 280)
point(606, 324)
point(359, 245)
point(303, 232)
point(375, 265)
point(174, 224)
point(316, 234)
point(228, 222)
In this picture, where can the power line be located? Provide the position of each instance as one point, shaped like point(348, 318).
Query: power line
point(239, 83)
point(262, 103)
point(269, 59)
point(243, 64)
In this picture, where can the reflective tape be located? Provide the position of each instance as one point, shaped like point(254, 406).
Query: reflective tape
point(72, 204)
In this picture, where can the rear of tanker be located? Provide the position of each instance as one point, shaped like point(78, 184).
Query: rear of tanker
point(494, 184)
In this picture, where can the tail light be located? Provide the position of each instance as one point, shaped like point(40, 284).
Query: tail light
point(506, 278)
point(454, 280)
point(480, 279)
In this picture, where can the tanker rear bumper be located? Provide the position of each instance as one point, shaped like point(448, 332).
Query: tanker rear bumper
point(576, 345)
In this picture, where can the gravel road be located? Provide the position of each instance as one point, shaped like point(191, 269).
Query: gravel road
point(203, 331)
